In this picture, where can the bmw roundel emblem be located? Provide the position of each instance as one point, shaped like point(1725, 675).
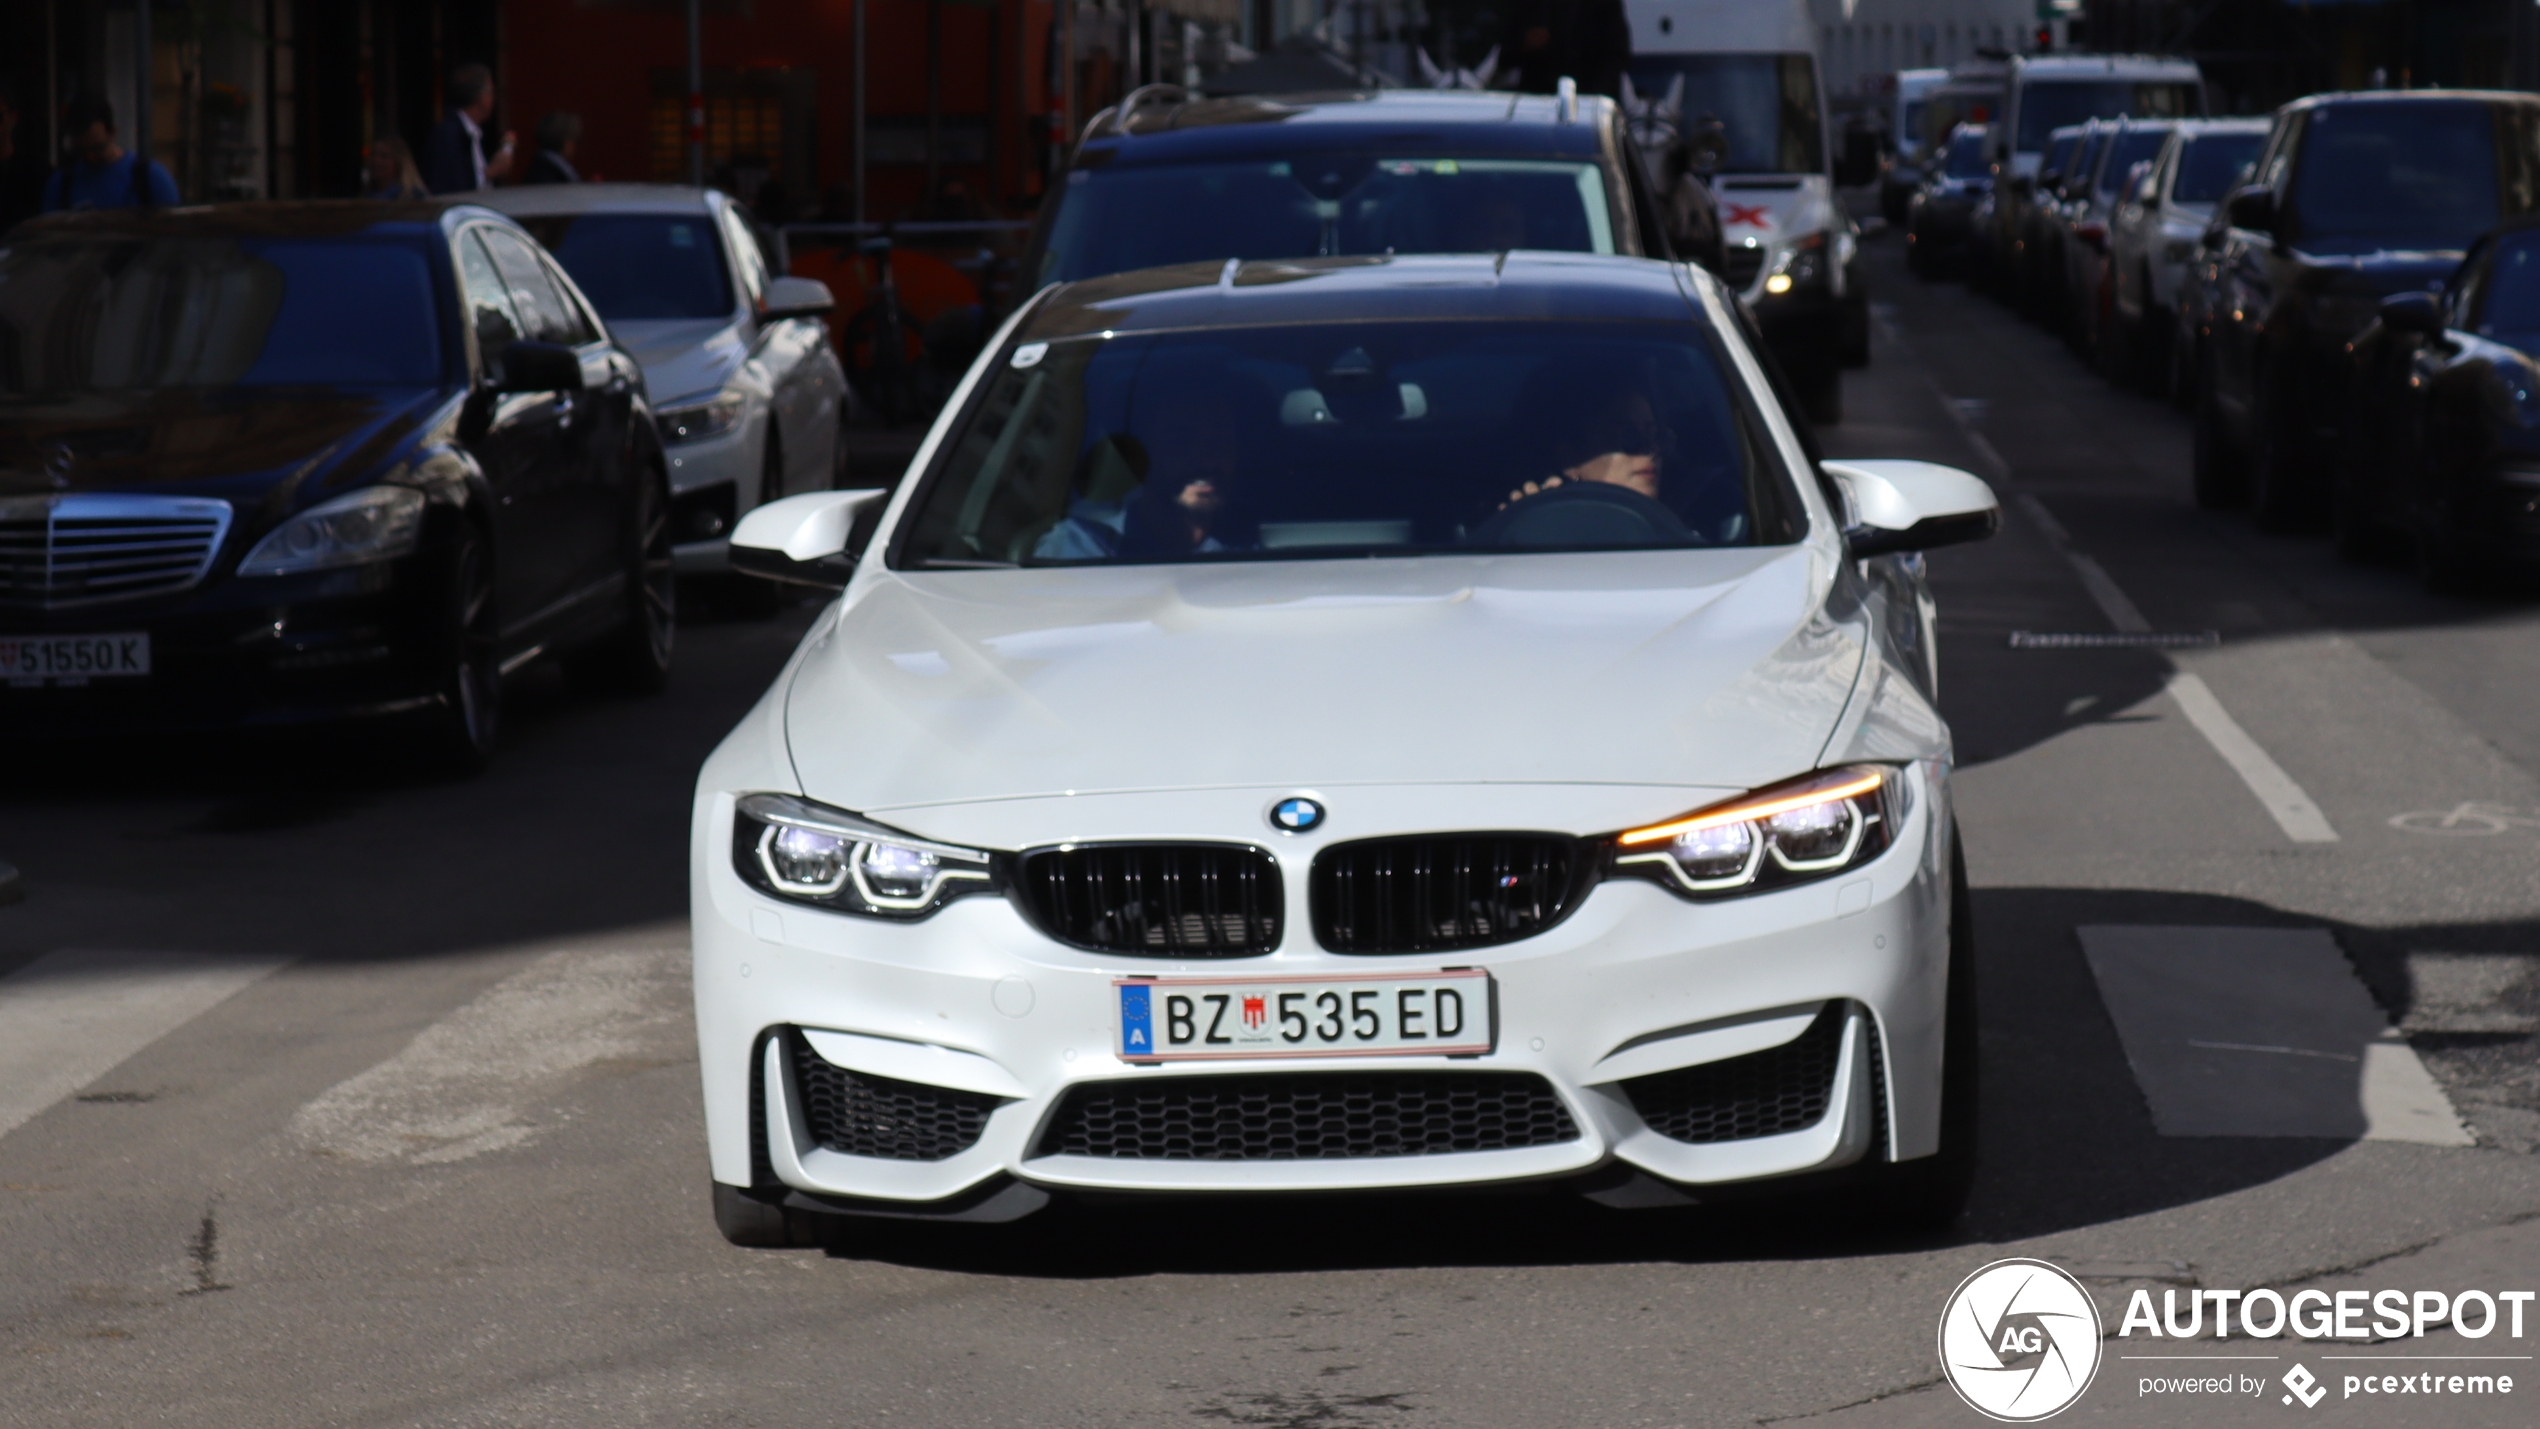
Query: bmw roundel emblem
point(1296, 816)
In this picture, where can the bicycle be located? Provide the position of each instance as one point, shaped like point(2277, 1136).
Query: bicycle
point(2472, 819)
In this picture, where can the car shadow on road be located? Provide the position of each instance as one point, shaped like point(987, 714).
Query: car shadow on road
point(2067, 1141)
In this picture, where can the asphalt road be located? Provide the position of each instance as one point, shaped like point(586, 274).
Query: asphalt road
point(330, 1099)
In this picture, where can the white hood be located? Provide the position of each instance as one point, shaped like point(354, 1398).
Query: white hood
point(1709, 668)
point(683, 357)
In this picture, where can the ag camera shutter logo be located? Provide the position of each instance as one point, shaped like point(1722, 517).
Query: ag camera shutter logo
point(2019, 1341)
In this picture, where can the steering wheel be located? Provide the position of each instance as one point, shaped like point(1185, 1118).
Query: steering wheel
point(1583, 513)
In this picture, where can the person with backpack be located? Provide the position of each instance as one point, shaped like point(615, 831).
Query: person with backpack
point(104, 174)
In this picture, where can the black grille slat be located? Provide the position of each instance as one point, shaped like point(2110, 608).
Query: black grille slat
point(1308, 1116)
point(1739, 265)
point(864, 1115)
point(1441, 893)
point(1156, 900)
point(1780, 1089)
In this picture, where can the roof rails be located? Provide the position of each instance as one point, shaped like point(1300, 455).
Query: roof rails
point(1115, 120)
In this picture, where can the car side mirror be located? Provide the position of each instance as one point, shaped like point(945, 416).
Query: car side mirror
point(2417, 314)
point(1913, 506)
point(796, 298)
point(540, 367)
point(813, 539)
point(2253, 209)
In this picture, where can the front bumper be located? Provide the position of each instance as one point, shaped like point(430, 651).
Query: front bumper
point(259, 651)
point(1636, 983)
point(709, 481)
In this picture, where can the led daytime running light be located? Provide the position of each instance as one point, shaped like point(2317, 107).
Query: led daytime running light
point(1757, 810)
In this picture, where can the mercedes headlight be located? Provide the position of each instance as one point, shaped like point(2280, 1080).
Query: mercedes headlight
point(1793, 832)
point(810, 853)
point(377, 523)
point(1803, 264)
point(696, 421)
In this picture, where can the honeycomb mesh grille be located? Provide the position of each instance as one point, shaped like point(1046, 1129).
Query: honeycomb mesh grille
point(863, 1115)
point(1156, 900)
point(1780, 1089)
point(1441, 893)
point(1312, 1116)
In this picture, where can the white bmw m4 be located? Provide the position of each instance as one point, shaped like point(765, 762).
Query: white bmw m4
point(1346, 724)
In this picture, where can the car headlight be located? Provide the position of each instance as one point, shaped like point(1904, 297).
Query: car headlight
point(1801, 265)
point(1789, 833)
point(810, 853)
point(377, 523)
point(696, 421)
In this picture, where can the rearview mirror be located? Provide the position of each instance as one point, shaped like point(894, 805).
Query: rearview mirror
point(540, 367)
point(2252, 208)
point(796, 298)
point(807, 539)
point(1913, 506)
point(2417, 314)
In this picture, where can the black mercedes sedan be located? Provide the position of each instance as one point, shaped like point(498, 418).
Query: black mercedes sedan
point(279, 463)
point(2443, 458)
point(2354, 198)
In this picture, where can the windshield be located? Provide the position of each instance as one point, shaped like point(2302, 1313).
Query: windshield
point(115, 314)
point(2053, 164)
point(2212, 164)
point(2047, 105)
point(1314, 441)
point(2085, 158)
point(1909, 121)
point(1966, 155)
point(636, 267)
point(2132, 147)
point(2401, 175)
point(1115, 220)
point(1767, 103)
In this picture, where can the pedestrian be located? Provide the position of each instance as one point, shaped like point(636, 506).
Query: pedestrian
point(557, 135)
point(1546, 41)
point(454, 159)
point(105, 174)
point(392, 170)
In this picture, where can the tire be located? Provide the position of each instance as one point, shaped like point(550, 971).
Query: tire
point(461, 731)
point(1930, 1193)
point(748, 1221)
point(2220, 482)
point(2154, 348)
point(634, 657)
point(749, 597)
point(2447, 560)
point(2279, 499)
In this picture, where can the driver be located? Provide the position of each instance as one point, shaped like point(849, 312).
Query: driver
point(1617, 443)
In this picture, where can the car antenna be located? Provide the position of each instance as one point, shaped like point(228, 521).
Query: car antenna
point(1565, 101)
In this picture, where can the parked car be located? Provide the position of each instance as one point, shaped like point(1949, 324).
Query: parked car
point(2355, 197)
point(1941, 220)
point(2026, 218)
point(281, 462)
point(1276, 948)
point(2123, 144)
point(2045, 93)
point(750, 394)
point(2441, 445)
point(2152, 242)
point(1907, 163)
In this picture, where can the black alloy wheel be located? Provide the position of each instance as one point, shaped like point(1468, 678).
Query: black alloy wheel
point(2279, 494)
point(2221, 483)
point(634, 658)
point(463, 726)
point(2449, 559)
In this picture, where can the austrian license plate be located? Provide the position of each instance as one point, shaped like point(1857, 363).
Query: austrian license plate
point(1342, 1015)
point(72, 659)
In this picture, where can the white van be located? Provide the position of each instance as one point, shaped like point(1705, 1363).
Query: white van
point(1791, 250)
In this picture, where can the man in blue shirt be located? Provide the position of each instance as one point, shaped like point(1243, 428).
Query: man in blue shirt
point(102, 176)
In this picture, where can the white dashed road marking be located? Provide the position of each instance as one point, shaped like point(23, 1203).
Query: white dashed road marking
point(70, 1017)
